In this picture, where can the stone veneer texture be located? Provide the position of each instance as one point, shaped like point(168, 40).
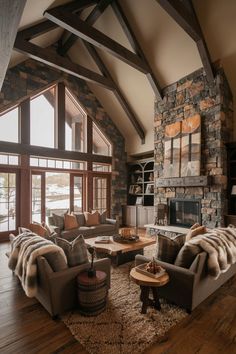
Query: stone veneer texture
point(183, 99)
point(30, 77)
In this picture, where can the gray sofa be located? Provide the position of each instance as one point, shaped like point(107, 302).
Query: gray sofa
point(108, 228)
point(57, 291)
point(189, 287)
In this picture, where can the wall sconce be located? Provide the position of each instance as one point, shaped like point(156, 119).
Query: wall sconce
point(233, 191)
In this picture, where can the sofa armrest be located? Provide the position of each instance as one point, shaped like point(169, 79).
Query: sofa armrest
point(111, 221)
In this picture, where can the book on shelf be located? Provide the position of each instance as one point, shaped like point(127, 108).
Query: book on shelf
point(102, 239)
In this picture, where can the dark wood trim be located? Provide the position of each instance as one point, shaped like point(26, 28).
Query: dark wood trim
point(61, 112)
point(80, 28)
point(24, 110)
point(50, 57)
point(25, 192)
point(89, 141)
point(135, 45)
point(91, 19)
point(194, 181)
point(117, 92)
point(10, 15)
point(17, 148)
point(187, 19)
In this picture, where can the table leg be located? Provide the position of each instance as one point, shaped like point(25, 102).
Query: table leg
point(144, 297)
point(157, 304)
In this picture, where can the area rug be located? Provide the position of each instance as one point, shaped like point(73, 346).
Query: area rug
point(121, 328)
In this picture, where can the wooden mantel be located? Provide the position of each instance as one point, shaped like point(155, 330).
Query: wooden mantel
point(193, 181)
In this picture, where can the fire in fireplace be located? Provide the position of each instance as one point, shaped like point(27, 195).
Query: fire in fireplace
point(184, 212)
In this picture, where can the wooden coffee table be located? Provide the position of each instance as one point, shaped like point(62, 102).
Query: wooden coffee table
point(120, 252)
point(146, 284)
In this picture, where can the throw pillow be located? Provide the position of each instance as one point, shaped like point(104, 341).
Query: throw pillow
point(70, 222)
point(187, 254)
point(58, 221)
point(22, 229)
point(102, 216)
point(92, 219)
point(56, 261)
point(38, 229)
point(75, 251)
point(168, 248)
point(80, 218)
point(195, 232)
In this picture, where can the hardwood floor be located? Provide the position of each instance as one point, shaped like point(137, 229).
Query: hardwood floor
point(25, 327)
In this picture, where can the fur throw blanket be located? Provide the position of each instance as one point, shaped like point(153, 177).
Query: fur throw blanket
point(23, 258)
point(220, 245)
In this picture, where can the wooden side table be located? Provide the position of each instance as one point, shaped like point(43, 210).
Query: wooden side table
point(148, 284)
point(92, 293)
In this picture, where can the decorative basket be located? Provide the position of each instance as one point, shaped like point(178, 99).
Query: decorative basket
point(127, 239)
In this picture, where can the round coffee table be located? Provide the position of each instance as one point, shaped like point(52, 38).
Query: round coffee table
point(146, 284)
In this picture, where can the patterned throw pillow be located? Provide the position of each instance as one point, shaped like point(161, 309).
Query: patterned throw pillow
point(102, 216)
point(92, 219)
point(168, 248)
point(187, 254)
point(58, 221)
point(70, 222)
point(75, 251)
point(56, 261)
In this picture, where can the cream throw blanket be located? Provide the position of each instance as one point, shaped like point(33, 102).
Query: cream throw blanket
point(23, 258)
point(220, 245)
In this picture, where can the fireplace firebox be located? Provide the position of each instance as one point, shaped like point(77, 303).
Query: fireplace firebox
point(184, 212)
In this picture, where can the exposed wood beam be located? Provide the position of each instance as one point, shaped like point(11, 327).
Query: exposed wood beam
point(61, 115)
point(135, 45)
point(16, 148)
point(91, 19)
point(186, 18)
point(46, 26)
point(10, 15)
point(51, 58)
point(94, 54)
point(72, 23)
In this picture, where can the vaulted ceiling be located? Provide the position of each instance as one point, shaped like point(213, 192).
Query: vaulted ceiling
point(168, 48)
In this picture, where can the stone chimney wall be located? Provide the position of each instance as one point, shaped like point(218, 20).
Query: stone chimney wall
point(183, 99)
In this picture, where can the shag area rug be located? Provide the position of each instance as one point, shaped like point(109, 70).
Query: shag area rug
point(121, 328)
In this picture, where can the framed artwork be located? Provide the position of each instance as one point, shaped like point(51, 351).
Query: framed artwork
point(150, 188)
point(139, 201)
point(132, 188)
point(172, 150)
point(191, 146)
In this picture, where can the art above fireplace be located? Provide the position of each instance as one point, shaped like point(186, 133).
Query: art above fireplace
point(184, 212)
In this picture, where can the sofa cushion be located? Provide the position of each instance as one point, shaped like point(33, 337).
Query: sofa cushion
point(102, 228)
point(76, 251)
point(187, 254)
point(92, 219)
point(80, 218)
point(58, 221)
point(168, 248)
point(70, 222)
point(56, 261)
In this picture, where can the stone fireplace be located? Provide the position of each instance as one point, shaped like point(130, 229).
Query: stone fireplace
point(185, 98)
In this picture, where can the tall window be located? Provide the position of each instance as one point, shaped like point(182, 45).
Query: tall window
point(75, 124)
point(7, 201)
point(42, 119)
point(101, 145)
point(101, 193)
point(9, 126)
point(77, 193)
point(57, 192)
point(37, 197)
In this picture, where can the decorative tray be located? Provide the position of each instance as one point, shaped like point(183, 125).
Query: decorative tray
point(141, 269)
point(121, 239)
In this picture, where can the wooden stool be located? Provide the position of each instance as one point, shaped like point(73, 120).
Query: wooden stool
point(146, 284)
point(92, 293)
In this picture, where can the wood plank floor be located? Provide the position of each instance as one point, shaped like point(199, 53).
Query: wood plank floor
point(25, 327)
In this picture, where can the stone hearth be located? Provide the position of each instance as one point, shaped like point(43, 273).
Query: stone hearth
point(184, 99)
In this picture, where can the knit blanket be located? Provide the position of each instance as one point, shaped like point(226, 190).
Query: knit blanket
point(220, 245)
point(23, 258)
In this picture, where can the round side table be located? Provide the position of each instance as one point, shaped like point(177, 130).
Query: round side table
point(148, 284)
point(92, 293)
